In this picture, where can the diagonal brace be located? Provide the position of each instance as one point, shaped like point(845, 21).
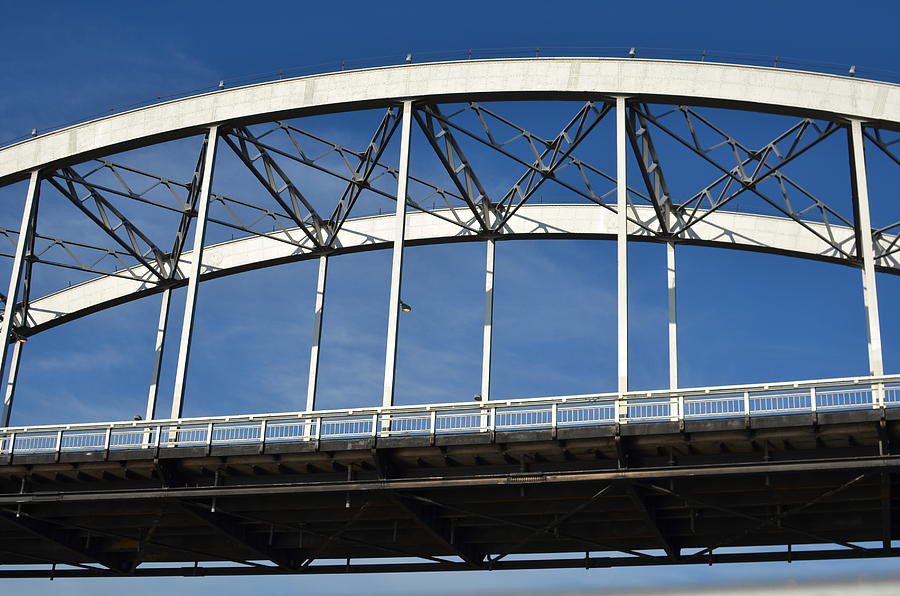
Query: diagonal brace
point(427, 517)
point(236, 534)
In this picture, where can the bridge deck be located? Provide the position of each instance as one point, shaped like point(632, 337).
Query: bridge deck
point(632, 494)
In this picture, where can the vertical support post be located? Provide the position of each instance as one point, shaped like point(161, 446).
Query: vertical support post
point(866, 248)
point(12, 294)
point(673, 316)
point(10, 392)
point(488, 322)
point(390, 358)
point(190, 304)
point(317, 335)
point(621, 247)
point(673, 329)
point(161, 327)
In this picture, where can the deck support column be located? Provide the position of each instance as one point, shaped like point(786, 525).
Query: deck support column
point(865, 248)
point(487, 340)
point(621, 248)
point(673, 327)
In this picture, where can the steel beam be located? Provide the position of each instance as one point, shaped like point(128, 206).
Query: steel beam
point(336, 535)
point(390, 358)
point(428, 518)
point(862, 465)
point(161, 328)
point(554, 524)
point(6, 326)
point(865, 248)
point(552, 531)
point(317, 335)
point(648, 515)
point(621, 247)
point(598, 562)
point(190, 304)
point(488, 322)
point(234, 532)
point(67, 541)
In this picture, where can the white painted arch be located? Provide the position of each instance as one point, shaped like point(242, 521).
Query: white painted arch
point(729, 229)
point(760, 88)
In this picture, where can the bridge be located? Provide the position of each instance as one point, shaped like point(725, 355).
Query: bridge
point(794, 470)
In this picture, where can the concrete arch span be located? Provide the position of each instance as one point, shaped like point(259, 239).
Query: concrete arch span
point(726, 85)
point(726, 229)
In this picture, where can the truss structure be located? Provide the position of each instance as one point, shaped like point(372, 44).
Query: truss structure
point(270, 183)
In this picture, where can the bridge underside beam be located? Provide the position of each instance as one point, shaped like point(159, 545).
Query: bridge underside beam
point(779, 483)
point(591, 562)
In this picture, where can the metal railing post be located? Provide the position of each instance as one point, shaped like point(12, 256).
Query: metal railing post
point(59, 438)
point(747, 404)
point(813, 398)
point(262, 431)
point(433, 423)
point(375, 425)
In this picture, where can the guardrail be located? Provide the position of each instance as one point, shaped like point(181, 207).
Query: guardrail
point(467, 417)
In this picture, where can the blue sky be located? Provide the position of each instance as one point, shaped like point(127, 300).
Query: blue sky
point(743, 317)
